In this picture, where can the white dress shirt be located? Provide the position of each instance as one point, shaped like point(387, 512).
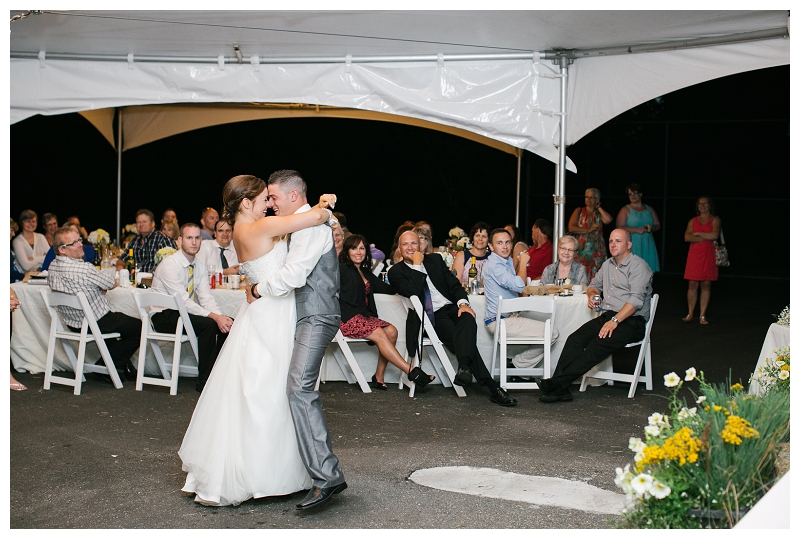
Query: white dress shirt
point(305, 249)
point(172, 275)
point(209, 254)
point(437, 299)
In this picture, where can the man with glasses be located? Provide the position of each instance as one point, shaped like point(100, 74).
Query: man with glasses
point(69, 274)
point(541, 254)
point(499, 279)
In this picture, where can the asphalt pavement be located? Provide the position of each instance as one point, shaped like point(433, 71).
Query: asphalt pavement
point(108, 458)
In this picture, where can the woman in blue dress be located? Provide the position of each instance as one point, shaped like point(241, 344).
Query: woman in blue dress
point(641, 221)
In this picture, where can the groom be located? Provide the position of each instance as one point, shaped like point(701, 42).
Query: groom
point(313, 270)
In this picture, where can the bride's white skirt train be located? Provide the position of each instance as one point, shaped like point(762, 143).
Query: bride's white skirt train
point(241, 443)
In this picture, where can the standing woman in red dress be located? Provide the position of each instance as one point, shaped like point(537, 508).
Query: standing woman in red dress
point(357, 290)
point(701, 264)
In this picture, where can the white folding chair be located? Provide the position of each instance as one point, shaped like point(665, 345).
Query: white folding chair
point(170, 372)
point(539, 304)
point(605, 370)
point(348, 365)
point(58, 331)
point(440, 360)
point(378, 268)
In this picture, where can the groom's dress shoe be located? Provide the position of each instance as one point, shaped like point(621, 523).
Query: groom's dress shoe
point(319, 495)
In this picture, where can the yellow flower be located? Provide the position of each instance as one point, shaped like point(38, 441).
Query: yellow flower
point(681, 447)
point(717, 408)
point(737, 385)
point(737, 428)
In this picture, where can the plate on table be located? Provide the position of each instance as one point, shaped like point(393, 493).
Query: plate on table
point(37, 281)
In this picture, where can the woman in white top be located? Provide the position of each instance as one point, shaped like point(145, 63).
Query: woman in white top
point(29, 246)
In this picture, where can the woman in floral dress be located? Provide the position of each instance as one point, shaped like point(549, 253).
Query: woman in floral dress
point(586, 224)
point(360, 320)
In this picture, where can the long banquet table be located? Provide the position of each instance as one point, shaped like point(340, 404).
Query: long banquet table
point(31, 326)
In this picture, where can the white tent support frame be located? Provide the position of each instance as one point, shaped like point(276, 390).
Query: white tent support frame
point(562, 58)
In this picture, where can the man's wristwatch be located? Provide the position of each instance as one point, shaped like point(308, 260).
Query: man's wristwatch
point(466, 304)
point(614, 319)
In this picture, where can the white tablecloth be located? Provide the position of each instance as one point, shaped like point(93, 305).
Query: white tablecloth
point(777, 337)
point(31, 325)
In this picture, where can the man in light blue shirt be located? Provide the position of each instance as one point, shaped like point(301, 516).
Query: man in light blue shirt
point(500, 280)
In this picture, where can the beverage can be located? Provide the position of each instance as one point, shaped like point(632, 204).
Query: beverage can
point(596, 299)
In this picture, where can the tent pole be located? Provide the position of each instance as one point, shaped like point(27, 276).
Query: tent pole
point(119, 175)
point(519, 176)
point(559, 201)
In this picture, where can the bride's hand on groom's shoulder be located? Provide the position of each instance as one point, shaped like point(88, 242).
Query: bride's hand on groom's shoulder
point(327, 201)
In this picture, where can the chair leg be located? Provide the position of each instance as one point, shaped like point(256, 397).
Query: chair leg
point(351, 360)
point(140, 364)
point(79, 367)
point(648, 369)
point(176, 368)
point(637, 370)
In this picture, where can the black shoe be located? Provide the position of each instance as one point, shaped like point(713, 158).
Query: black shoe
point(378, 385)
point(419, 377)
point(317, 496)
point(463, 376)
point(127, 372)
point(502, 398)
point(561, 394)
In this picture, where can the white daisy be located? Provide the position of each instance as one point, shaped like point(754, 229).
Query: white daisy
point(659, 490)
point(783, 375)
point(642, 483)
point(701, 399)
point(655, 419)
point(652, 430)
point(671, 379)
point(636, 445)
point(690, 374)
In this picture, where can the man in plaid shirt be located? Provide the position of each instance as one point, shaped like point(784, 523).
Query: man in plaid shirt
point(146, 244)
point(69, 274)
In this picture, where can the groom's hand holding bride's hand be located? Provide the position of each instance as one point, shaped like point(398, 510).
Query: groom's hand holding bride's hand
point(327, 201)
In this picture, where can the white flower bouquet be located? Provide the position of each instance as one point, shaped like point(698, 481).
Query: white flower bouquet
point(448, 258)
point(99, 237)
point(783, 318)
point(774, 375)
point(458, 239)
point(162, 253)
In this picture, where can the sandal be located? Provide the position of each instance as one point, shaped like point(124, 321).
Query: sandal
point(18, 387)
point(687, 318)
point(419, 377)
point(703, 321)
point(378, 385)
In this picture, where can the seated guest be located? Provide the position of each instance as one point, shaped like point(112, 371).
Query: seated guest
point(185, 273)
point(500, 280)
point(77, 222)
point(338, 239)
point(208, 221)
point(357, 290)
point(88, 250)
point(170, 229)
point(342, 224)
point(16, 272)
point(49, 225)
point(29, 246)
point(70, 274)
point(541, 254)
point(425, 243)
point(626, 283)
point(220, 252)
point(396, 255)
point(427, 226)
point(15, 385)
point(516, 241)
point(146, 244)
point(566, 266)
point(479, 237)
point(447, 308)
point(169, 215)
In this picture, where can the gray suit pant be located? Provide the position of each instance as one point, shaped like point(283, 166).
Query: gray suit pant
point(312, 337)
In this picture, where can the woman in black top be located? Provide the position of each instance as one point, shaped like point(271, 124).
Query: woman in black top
point(360, 315)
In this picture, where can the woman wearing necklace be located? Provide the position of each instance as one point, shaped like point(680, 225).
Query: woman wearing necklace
point(566, 266)
point(29, 246)
point(479, 236)
point(641, 221)
point(701, 263)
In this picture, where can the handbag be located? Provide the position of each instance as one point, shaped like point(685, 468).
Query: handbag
point(721, 252)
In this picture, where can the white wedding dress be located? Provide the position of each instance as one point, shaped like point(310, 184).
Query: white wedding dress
point(241, 442)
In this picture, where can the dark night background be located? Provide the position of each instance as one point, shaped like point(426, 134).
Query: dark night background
point(727, 138)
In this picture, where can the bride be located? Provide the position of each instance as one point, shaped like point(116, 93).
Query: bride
point(241, 442)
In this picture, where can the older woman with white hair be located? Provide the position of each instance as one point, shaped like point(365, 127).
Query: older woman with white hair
point(586, 224)
point(566, 267)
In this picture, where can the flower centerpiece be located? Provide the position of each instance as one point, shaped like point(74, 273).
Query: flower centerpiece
point(99, 237)
point(715, 457)
point(783, 318)
point(163, 253)
point(448, 258)
point(457, 240)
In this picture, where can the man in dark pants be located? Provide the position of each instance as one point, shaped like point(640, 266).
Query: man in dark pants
point(69, 274)
point(186, 274)
point(626, 282)
point(454, 320)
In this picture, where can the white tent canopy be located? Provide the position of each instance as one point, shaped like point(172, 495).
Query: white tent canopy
point(489, 73)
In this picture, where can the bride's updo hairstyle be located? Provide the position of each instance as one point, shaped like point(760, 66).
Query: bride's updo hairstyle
point(237, 189)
